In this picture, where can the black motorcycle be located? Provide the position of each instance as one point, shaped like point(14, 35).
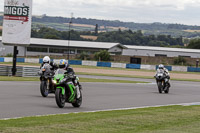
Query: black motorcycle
point(46, 76)
point(162, 82)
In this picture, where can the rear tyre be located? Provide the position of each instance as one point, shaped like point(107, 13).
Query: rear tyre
point(60, 98)
point(160, 87)
point(43, 89)
point(78, 101)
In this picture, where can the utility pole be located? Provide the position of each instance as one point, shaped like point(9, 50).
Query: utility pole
point(70, 22)
point(15, 52)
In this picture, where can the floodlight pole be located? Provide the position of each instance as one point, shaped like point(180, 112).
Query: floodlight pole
point(70, 22)
point(15, 52)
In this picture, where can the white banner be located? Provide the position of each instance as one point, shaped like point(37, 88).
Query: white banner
point(17, 22)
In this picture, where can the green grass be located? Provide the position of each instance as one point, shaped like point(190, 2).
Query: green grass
point(132, 76)
point(6, 78)
point(114, 75)
point(10, 78)
point(108, 80)
point(171, 119)
point(25, 64)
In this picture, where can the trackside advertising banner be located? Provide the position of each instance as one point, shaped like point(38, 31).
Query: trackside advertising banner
point(17, 22)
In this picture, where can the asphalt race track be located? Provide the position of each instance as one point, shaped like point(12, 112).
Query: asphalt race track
point(20, 99)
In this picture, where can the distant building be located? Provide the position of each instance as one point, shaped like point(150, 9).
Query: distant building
point(56, 47)
point(60, 47)
point(132, 50)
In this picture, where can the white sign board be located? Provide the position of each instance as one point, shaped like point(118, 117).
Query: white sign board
point(17, 22)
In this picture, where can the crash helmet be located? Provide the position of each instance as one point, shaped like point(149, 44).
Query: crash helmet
point(161, 66)
point(63, 64)
point(46, 59)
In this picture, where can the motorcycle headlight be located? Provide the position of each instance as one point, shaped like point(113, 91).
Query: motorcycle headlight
point(54, 81)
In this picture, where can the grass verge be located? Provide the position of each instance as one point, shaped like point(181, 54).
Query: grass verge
point(170, 119)
point(6, 78)
point(130, 76)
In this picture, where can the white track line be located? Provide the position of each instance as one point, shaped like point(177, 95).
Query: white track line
point(181, 104)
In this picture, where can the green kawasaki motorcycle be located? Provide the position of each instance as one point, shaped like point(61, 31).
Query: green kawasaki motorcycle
point(66, 90)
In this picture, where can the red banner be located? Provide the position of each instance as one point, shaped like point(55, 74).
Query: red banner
point(19, 18)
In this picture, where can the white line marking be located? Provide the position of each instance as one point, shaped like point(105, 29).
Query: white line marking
point(181, 104)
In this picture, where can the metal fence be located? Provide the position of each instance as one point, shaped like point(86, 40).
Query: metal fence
point(21, 71)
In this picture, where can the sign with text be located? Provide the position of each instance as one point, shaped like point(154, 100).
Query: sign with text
point(17, 22)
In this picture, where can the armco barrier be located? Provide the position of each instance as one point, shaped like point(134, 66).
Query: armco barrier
point(3, 70)
point(8, 59)
point(118, 65)
point(7, 71)
point(148, 67)
point(104, 64)
point(75, 62)
point(1, 59)
point(168, 67)
point(57, 61)
point(21, 71)
point(30, 71)
point(40, 61)
point(89, 63)
point(133, 66)
point(179, 68)
point(193, 69)
point(21, 60)
point(31, 60)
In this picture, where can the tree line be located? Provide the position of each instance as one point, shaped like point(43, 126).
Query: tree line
point(138, 38)
point(115, 23)
point(156, 28)
point(124, 37)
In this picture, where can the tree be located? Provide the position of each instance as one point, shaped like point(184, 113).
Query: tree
point(49, 36)
point(194, 44)
point(83, 56)
point(179, 61)
point(103, 55)
point(96, 30)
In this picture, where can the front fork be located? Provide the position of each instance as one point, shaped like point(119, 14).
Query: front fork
point(62, 89)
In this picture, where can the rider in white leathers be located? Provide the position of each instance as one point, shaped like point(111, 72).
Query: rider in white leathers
point(166, 72)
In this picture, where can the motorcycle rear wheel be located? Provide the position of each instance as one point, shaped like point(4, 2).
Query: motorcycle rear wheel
point(78, 101)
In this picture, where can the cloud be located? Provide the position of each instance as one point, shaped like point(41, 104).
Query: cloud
point(169, 11)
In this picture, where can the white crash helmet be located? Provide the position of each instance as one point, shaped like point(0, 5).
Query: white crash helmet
point(46, 59)
point(161, 66)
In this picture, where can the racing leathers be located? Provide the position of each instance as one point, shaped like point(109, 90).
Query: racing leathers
point(166, 73)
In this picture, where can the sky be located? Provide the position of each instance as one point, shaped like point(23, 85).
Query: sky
point(139, 11)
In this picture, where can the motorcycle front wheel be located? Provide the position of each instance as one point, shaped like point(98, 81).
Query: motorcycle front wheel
point(60, 98)
point(43, 88)
point(167, 90)
point(160, 87)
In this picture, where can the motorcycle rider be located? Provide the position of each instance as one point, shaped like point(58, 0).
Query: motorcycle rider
point(64, 65)
point(47, 60)
point(47, 68)
point(166, 72)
